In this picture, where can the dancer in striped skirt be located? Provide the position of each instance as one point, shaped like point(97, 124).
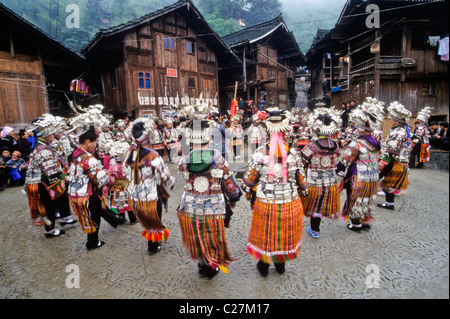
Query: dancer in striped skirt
point(320, 158)
point(360, 160)
point(146, 172)
point(394, 163)
point(274, 182)
point(209, 184)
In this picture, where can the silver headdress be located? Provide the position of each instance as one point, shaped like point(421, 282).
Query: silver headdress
point(325, 121)
point(369, 115)
point(278, 120)
point(46, 125)
point(147, 130)
point(199, 128)
point(398, 112)
point(92, 117)
point(424, 114)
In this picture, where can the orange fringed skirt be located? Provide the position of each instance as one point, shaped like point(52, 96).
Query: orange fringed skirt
point(322, 202)
point(360, 204)
point(396, 178)
point(147, 214)
point(204, 238)
point(424, 153)
point(276, 231)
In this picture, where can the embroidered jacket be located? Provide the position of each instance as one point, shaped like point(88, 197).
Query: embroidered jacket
point(271, 185)
point(85, 174)
point(145, 174)
point(422, 134)
point(44, 165)
point(396, 145)
point(350, 134)
point(320, 157)
point(361, 157)
point(208, 184)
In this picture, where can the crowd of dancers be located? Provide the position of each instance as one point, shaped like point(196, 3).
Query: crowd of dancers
point(85, 169)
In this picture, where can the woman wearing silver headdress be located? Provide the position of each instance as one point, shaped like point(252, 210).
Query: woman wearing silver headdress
point(421, 140)
point(320, 158)
point(394, 161)
point(146, 173)
point(360, 160)
point(274, 182)
point(210, 183)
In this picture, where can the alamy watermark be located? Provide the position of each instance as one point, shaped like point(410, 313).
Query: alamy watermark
point(373, 19)
point(73, 19)
point(73, 279)
point(373, 277)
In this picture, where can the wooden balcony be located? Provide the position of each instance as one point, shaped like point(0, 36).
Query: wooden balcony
point(365, 68)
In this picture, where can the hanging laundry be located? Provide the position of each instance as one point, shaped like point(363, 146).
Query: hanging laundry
point(443, 49)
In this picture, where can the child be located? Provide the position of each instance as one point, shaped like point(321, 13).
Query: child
point(18, 169)
point(4, 158)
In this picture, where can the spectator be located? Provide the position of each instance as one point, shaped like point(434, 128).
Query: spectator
point(344, 115)
point(261, 103)
point(4, 158)
point(433, 132)
point(443, 137)
point(325, 87)
point(7, 139)
point(271, 102)
point(176, 122)
point(18, 169)
point(24, 144)
point(241, 104)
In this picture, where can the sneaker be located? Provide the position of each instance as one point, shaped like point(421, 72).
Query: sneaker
point(153, 248)
point(354, 228)
point(314, 234)
point(210, 273)
point(100, 243)
point(381, 193)
point(54, 233)
point(365, 227)
point(390, 207)
point(67, 221)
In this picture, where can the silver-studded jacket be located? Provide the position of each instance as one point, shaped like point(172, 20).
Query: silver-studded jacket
point(396, 144)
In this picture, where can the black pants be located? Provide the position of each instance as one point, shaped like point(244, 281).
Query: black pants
point(60, 204)
point(415, 153)
point(390, 198)
point(315, 223)
point(96, 213)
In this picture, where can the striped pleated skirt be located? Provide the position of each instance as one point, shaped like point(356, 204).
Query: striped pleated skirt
point(204, 238)
point(147, 215)
point(396, 178)
point(37, 209)
point(322, 201)
point(360, 203)
point(276, 231)
point(81, 209)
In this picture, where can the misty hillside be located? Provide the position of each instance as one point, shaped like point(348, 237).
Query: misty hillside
point(303, 17)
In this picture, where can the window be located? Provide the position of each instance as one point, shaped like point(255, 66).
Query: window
point(191, 83)
point(271, 74)
point(144, 80)
point(190, 47)
point(168, 43)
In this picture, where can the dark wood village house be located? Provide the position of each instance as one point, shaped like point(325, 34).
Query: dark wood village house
point(168, 57)
point(397, 61)
point(270, 55)
point(35, 71)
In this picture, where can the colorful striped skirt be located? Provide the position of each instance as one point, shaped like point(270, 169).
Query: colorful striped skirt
point(80, 206)
point(204, 238)
point(396, 178)
point(147, 214)
point(322, 201)
point(424, 153)
point(276, 231)
point(360, 203)
point(37, 209)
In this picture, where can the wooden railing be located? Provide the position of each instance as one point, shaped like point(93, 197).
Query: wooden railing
point(364, 68)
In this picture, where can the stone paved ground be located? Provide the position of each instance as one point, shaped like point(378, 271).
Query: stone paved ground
point(409, 247)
